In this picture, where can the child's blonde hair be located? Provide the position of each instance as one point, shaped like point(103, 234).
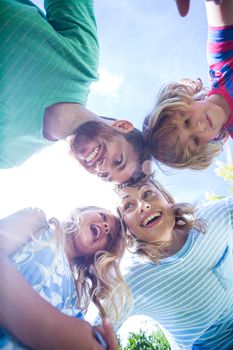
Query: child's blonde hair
point(97, 277)
point(184, 221)
point(159, 127)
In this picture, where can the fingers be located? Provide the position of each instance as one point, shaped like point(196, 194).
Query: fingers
point(99, 338)
point(108, 334)
point(183, 7)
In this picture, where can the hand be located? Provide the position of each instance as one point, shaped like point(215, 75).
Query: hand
point(183, 6)
point(108, 334)
point(217, 2)
point(78, 335)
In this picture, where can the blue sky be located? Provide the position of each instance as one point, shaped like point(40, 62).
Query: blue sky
point(143, 45)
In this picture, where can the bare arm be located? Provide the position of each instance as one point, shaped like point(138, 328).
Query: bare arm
point(34, 321)
point(16, 229)
point(62, 119)
point(219, 14)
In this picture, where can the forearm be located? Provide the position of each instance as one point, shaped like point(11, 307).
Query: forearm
point(221, 14)
point(34, 321)
point(22, 311)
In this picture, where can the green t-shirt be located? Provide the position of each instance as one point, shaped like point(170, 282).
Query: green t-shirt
point(44, 59)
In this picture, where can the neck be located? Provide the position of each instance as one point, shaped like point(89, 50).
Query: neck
point(178, 240)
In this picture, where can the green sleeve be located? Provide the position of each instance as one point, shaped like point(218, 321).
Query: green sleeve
point(72, 17)
point(75, 21)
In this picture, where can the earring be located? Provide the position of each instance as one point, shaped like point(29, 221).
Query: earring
point(147, 167)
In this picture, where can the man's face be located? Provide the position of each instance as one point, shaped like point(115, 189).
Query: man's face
point(103, 150)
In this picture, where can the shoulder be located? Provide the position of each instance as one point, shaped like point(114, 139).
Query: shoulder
point(27, 215)
point(35, 215)
point(31, 219)
point(138, 269)
point(216, 210)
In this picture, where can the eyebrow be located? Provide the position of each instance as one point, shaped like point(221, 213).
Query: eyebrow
point(127, 196)
point(121, 167)
point(104, 178)
point(138, 187)
point(184, 145)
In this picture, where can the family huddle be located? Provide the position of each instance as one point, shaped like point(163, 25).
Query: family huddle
point(181, 268)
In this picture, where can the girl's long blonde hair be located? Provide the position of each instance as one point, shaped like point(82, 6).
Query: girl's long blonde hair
point(184, 221)
point(160, 129)
point(98, 278)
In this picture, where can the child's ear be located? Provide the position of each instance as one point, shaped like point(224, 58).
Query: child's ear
point(124, 126)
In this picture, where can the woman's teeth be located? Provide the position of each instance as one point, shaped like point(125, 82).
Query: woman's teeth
point(150, 218)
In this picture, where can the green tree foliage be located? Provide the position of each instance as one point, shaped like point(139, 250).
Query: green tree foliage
point(141, 341)
point(225, 171)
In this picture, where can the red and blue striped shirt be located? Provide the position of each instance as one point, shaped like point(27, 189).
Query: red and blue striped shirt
point(220, 60)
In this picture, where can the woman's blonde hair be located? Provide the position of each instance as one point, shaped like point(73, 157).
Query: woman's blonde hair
point(160, 130)
point(97, 277)
point(184, 221)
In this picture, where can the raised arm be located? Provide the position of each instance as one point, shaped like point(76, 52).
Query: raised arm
point(34, 321)
point(17, 229)
point(70, 16)
point(221, 14)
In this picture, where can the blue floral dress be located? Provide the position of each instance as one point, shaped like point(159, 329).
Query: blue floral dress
point(47, 270)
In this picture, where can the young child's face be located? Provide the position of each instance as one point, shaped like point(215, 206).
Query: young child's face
point(147, 213)
point(202, 124)
point(97, 228)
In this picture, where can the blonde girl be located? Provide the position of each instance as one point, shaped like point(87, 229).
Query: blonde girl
point(68, 263)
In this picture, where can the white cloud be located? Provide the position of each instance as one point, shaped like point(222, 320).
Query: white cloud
point(108, 83)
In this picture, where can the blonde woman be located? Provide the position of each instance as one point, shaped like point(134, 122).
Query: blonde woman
point(181, 275)
point(68, 263)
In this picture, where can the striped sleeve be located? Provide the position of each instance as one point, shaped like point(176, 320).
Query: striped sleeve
point(230, 205)
point(220, 44)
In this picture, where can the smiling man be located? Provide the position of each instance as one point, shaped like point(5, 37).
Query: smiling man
point(48, 62)
point(112, 150)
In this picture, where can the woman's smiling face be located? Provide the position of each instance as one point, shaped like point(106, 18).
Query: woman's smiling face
point(147, 213)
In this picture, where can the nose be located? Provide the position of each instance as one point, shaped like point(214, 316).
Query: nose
point(106, 228)
point(102, 165)
point(144, 206)
point(199, 126)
